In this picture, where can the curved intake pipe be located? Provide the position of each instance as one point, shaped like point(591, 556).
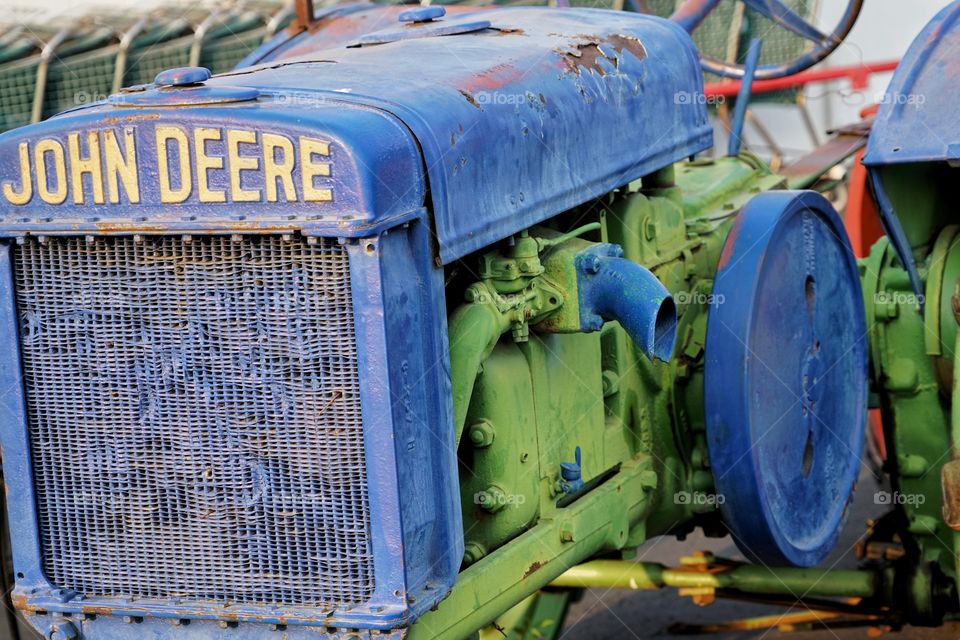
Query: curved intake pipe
point(609, 288)
point(614, 288)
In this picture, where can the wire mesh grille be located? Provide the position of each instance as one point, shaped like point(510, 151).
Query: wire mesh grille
point(194, 417)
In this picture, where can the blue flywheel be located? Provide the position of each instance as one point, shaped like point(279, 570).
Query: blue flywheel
point(786, 378)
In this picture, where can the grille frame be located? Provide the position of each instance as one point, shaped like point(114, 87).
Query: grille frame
point(404, 388)
point(195, 418)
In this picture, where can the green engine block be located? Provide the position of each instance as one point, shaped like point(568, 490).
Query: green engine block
point(540, 396)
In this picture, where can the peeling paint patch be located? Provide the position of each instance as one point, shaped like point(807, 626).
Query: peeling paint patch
point(588, 51)
point(533, 568)
point(471, 99)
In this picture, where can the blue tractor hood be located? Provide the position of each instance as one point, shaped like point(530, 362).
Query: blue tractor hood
point(528, 112)
point(917, 119)
point(494, 119)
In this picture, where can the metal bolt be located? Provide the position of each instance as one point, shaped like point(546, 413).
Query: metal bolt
point(63, 630)
point(493, 499)
point(473, 552)
point(482, 434)
point(592, 264)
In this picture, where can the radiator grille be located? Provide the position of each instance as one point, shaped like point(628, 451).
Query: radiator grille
point(194, 418)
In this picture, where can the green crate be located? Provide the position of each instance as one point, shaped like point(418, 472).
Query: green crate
point(18, 78)
point(18, 43)
point(90, 76)
point(225, 44)
point(232, 41)
point(84, 67)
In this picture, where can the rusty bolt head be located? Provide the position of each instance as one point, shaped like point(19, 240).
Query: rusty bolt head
point(63, 630)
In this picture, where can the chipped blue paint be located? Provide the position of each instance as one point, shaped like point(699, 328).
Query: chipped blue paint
point(917, 119)
point(524, 119)
point(576, 102)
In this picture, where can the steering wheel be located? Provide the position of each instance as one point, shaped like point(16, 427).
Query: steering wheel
point(691, 13)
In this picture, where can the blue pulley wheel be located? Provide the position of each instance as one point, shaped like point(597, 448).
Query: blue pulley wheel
point(786, 378)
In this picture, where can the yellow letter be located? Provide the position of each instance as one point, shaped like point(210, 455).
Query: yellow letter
point(282, 170)
point(48, 145)
point(80, 166)
point(169, 195)
point(26, 185)
point(240, 163)
point(121, 166)
point(309, 169)
point(205, 163)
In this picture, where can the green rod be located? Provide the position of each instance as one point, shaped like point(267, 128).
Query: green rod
point(619, 574)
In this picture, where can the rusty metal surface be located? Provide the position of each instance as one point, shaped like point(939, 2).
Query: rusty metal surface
point(842, 144)
point(950, 484)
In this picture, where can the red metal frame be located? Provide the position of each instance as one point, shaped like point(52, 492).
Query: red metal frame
point(857, 74)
